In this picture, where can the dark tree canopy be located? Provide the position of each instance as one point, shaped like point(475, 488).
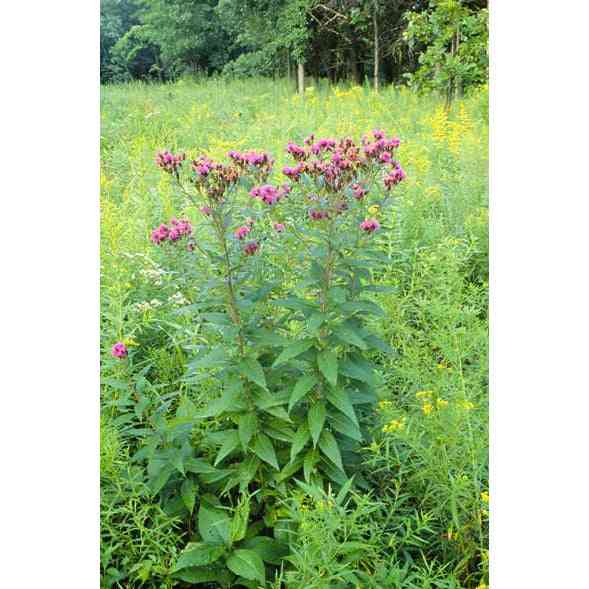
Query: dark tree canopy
point(434, 45)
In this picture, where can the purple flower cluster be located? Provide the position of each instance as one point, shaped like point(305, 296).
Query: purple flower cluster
point(169, 162)
point(119, 350)
point(270, 194)
point(318, 215)
point(175, 231)
point(260, 161)
point(370, 225)
point(395, 176)
point(359, 191)
point(214, 178)
point(241, 232)
point(250, 248)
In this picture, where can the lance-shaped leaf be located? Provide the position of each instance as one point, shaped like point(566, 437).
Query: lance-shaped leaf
point(340, 399)
point(247, 427)
point(301, 388)
point(316, 419)
point(230, 443)
point(293, 351)
point(214, 525)
point(252, 370)
point(327, 362)
point(328, 445)
point(349, 335)
point(299, 440)
point(263, 448)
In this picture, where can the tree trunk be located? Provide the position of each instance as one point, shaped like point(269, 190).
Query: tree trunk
point(376, 49)
point(301, 77)
point(353, 64)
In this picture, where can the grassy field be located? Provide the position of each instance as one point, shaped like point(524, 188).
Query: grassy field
point(423, 523)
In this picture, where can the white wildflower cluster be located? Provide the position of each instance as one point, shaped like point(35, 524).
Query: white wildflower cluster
point(154, 274)
point(148, 305)
point(179, 299)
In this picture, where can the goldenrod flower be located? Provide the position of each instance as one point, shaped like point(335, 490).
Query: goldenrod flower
point(441, 403)
point(423, 394)
point(394, 425)
point(485, 496)
point(427, 408)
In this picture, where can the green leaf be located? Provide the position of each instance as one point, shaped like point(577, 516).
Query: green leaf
point(214, 525)
point(358, 370)
point(247, 427)
point(293, 351)
point(303, 386)
point(188, 493)
point(215, 358)
point(198, 554)
point(327, 362)
point(264, 449)
point(196, 575)
point(344, 491)
point(362, 307)
point(230, 443)
point(340, 399)
point(316, 419)
point(279, 412)
point(158, 482)
point(240, 519)
point(265, 399)
point(300, 440)
point(230, 400)
point(311, 459)
point(344, 425)
point(328, 445)
point(268, 549)
point(253, 371)
point(247, 564)
point(348, 335)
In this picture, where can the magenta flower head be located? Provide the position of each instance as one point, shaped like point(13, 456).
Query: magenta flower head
point(385, 157)
point(169, 162)
point(370, 225)
point(394, 177)
point(359, 191)
point(378, 134)
point(296, 151)
point(279, 227)
point(250, 248)
point(160, 234)
point(294, 173)
point(206, 211)
point(119, 350)
point(241, 232)
point(317, 215)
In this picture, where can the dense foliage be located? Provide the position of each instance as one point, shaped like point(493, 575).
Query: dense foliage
point(436, 44)
point(294, 351)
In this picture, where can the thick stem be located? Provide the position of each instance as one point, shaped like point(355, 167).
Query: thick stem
point(232, 308)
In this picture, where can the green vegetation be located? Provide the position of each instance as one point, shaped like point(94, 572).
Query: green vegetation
point(436, 45)
point(208, 474)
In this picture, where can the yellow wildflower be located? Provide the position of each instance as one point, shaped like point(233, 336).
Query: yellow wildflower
point(441, 403)
point(374, 209)
point(394, 425)
point(422, 394)
point(427, 408)
point(485, 496)
point(382, 405)
point(467, 405)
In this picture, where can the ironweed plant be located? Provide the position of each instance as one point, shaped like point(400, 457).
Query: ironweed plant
point(293, 361)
